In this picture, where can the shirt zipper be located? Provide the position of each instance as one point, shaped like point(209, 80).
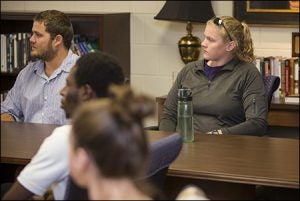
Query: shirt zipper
point(254, 106)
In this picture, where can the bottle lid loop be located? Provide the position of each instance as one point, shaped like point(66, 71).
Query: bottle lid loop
point(184, 94)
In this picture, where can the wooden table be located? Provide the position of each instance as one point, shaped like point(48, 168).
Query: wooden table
point(280, 114)
point(232, 166)
point(235, 159)
point(240, 159)
point(20, 141)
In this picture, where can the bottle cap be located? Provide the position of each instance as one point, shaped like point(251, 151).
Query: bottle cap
point(184, 94)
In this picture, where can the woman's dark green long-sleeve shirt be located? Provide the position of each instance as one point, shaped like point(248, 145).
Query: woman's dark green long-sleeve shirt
point(233, 101)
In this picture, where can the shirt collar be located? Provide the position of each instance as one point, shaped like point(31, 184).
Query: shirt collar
point(66, 65)
point(39, 64)
point(68, 62)
point(199, 66)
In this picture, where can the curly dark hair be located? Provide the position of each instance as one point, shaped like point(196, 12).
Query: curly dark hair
point(99, 70)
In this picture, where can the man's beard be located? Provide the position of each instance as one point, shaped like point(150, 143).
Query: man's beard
point(46, 55)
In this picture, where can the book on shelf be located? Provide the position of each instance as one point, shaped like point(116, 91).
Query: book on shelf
point(83, 44)
point(3, 53)
point(287, 76)
point(3, 95)
point(291, 99)
point(15, 51)
point(267, 66)
point(296, 76)
point(292, 74)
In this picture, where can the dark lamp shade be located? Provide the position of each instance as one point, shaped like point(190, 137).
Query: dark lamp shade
point(194, 11)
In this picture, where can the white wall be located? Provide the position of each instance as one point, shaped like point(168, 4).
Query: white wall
point(155, 59)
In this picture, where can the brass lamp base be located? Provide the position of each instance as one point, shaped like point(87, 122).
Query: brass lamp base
point(189, 46)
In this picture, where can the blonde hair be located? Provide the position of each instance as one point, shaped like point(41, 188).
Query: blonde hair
point(240, 34)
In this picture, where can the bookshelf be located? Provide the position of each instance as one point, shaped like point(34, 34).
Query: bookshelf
point(285, 68)
point(111, 31)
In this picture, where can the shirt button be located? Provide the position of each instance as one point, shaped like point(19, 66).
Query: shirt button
point(45, 98)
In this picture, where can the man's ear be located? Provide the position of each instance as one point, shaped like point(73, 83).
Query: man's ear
point(58, 40)
point(86, 92)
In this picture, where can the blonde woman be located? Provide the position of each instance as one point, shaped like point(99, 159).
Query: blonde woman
point(228, 90)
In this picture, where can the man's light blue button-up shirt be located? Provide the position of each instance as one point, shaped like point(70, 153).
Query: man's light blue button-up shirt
point(35, 97)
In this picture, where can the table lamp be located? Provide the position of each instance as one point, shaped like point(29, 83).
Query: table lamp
point(189, 11)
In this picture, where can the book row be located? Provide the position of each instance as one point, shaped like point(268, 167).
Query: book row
point(15, 51)
point(285, 68)
point(3, 95)
point(82, 45)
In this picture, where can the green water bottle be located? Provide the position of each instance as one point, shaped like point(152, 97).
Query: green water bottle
point(185, 114)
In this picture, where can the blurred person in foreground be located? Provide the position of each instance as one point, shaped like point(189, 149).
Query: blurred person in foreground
point(109, 149)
